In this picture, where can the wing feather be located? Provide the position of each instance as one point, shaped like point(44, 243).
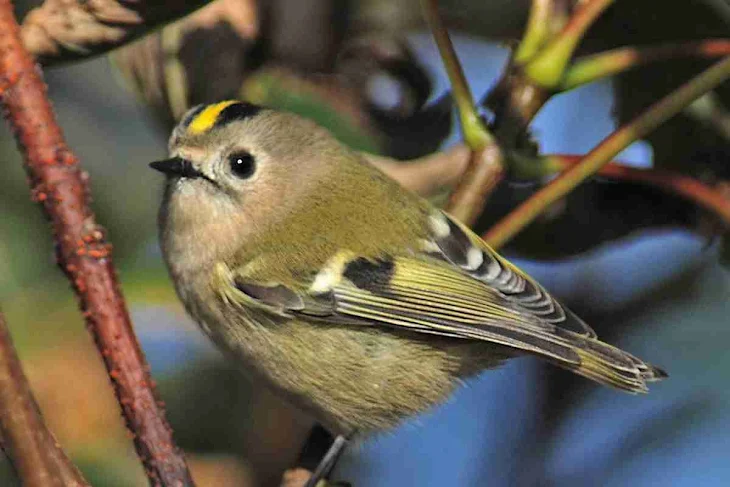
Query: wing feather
point(459, 242)
point(432, 295)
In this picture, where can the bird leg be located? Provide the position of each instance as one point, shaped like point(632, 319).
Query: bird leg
point(328, 461)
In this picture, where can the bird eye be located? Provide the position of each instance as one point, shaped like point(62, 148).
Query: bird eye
point(242, 164)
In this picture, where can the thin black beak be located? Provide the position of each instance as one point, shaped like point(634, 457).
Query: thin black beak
point(177, 166)
point(174, 165)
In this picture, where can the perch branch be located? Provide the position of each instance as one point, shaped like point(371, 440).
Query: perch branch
point(66, 30)
point(485, 169)
point(654, 116)
point(59, 184)
point(483, 173)
point(37, 457)
point(591, 68)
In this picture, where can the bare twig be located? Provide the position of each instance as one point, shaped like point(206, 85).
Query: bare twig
point(476, 134)
point(59, 184)
point(658, 113)
point(485, 169)
point(37, 457)
point(597, 66)
point(64, 30)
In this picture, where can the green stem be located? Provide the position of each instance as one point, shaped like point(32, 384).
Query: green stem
point(602, 65)
point(536, 32)
point(548, 67)
point(657, 114)
point(476, 134)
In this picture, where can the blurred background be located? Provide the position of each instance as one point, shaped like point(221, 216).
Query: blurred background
point(643, 267)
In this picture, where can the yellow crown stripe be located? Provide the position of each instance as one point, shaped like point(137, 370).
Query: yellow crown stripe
point(205, 120)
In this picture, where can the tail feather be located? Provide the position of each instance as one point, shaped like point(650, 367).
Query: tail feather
point(579, 353)
point(609, 365)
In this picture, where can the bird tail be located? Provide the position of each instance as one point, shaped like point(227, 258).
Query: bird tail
point(608, 365)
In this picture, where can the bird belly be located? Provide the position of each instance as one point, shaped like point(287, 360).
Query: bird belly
point(350, 379)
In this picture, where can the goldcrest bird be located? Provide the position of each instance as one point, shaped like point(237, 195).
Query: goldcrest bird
point(355, 299)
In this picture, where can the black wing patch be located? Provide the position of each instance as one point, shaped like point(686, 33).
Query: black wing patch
point(368, 274)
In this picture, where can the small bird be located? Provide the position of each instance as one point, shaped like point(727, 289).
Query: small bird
point(352, 297)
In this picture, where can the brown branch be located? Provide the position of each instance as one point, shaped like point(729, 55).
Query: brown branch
point(65, 30)
point(427, 175)
point(515, 101)
point(59, 184)
point(31, 447)
point(484, 172)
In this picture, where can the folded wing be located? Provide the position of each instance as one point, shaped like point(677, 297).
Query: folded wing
point(428, 295)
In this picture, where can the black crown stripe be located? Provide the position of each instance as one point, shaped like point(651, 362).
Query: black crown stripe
point(236, 112)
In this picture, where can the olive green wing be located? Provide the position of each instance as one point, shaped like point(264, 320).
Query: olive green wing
point(428, 295)
point(423, 295)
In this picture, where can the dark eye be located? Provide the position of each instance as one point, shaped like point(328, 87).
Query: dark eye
point(242, 164)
